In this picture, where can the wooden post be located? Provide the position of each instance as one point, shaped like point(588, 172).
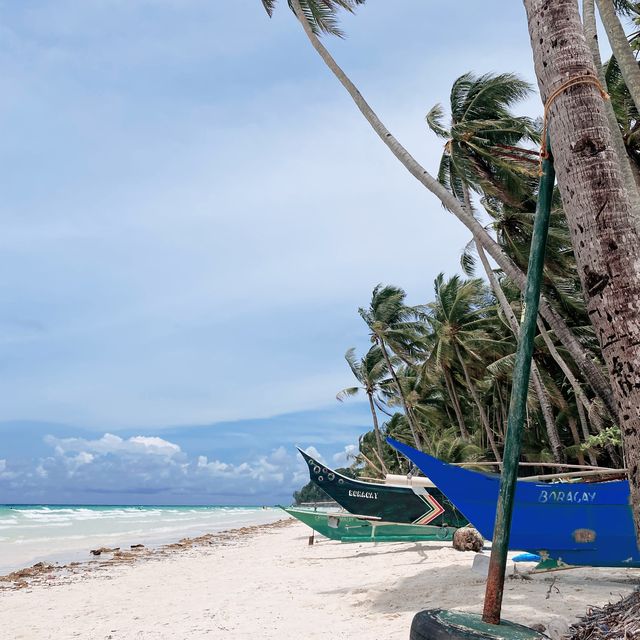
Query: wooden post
point(518, 402)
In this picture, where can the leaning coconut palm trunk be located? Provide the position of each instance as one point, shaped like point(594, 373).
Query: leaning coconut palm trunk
point(407, 409)
point(591, 34)
point(369, 372)
point(538, 384)
point(476, 398)
point(376, 429)
point(621, 49)
point(583, 403)
point(605, 238)
point(455, 401)
point(580, 355)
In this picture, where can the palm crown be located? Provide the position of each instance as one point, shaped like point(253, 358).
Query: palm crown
point(482, 149)
point(322, 15)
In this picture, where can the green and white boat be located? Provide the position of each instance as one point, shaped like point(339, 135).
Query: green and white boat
point(347, 527)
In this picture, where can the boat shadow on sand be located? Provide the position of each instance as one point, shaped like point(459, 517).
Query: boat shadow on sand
point(421, 550)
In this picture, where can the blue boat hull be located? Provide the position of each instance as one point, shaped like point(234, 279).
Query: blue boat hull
point(587, 524)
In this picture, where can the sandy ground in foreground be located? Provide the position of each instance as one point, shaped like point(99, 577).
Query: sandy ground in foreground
point(272, 585)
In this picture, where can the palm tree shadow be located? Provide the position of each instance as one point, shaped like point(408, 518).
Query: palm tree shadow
point(430, 588)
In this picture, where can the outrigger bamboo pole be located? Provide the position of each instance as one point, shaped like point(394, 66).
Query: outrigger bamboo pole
point(518, 402)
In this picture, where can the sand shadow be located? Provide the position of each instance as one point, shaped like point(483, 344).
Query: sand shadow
point(418, 549)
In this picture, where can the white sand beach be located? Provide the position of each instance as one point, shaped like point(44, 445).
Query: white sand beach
point(267, 582)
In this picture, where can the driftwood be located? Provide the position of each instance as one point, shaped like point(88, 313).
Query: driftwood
point(617, 621)
point(468, 539)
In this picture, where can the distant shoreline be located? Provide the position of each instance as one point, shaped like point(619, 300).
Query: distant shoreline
point(45, 572)
point(65, 534)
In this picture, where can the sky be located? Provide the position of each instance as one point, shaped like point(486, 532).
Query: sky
point(192, 212)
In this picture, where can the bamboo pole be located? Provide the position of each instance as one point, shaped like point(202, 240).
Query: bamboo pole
point(518, 402)
point(576, 474)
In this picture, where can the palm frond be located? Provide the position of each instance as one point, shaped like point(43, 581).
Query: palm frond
point(434, 120)
point(322, 15)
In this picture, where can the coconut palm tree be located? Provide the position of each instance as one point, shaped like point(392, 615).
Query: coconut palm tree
point(595, 377)
point(626, 114)
point(482, 154)
point(604, 234)
point(620, 45)
point(369, 371)
point(536, 378)
point(483, 150)
point(391, 326)
point(459, 329)
point(628, 168)
point(320, 15)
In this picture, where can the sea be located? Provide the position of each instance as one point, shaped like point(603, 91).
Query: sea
point(67, 533)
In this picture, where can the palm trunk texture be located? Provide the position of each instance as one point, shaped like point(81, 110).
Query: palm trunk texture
point(605, 239)
point(578, 352)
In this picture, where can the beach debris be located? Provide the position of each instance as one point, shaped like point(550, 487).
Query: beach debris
point(616, 621)
point(18, 577)
point(468, 539)
point(101, 550)
point(480, 564)
point(51, 574)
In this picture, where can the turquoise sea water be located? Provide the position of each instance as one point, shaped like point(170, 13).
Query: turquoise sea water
point(30, 533)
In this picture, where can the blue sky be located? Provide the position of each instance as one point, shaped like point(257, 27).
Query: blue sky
point(192, 212)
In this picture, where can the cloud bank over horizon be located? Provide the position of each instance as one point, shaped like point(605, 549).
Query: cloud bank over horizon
point(183, 465)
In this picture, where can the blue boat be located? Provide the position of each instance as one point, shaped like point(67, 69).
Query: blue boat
point(585, 524)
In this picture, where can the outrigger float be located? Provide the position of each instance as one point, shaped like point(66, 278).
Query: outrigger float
point(346, 527)
point(572, 523)
point(408, 501)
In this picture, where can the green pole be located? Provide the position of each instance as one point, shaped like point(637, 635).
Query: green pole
point(518, 402)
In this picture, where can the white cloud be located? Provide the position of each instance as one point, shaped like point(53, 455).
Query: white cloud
point(110, 443)
point(5, 473)
point(345, 458)
point(149, 465)
point(156, 445)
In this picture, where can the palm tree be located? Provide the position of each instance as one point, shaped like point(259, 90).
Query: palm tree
point(604, 235)
point(391, 327)
point(311, 28)
point(482, 154)
point(320, 15)
point(369, 372)
point(625, 114)
point(620, 45)
point(536, 378)
point(460, 332)
point(628, 168)
point(483, 149)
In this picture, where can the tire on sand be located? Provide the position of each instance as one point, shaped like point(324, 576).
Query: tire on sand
point(438, 624)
